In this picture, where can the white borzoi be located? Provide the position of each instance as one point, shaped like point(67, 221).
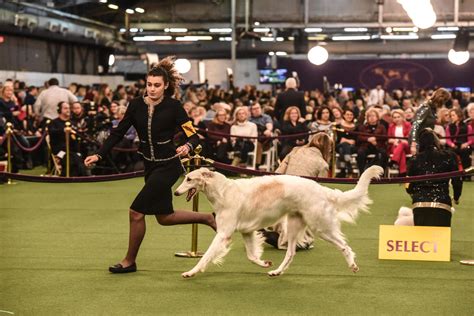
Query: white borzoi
point(246, 205)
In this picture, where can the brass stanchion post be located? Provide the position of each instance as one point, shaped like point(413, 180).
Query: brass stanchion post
point(9, 133)
point(49, 167)
point(197, 158)
point(67, 132)
point(333, 162)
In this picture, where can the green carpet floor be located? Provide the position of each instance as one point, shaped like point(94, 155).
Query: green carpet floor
point(57, 240)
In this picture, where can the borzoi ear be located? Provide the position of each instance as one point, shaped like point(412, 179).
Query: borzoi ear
point(207, 174)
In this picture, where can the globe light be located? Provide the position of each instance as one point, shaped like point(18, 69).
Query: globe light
point(318, 55)
point(182, 65)
point(458, 58)
point(424, 19)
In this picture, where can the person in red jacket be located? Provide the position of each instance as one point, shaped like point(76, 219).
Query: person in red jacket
point(368, 145)
point(399, 148)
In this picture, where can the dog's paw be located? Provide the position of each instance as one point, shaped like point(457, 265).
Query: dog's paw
point(274, 273)
point(354, 268)
point(188, 274)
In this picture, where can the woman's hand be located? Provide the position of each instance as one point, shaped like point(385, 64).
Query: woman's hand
point(91, 160)
point(182, 150)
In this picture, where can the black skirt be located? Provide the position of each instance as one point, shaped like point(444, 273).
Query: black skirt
point(431, 216)
point(156, 197)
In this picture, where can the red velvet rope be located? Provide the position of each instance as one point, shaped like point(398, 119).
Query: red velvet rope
point(51, 179)
point(315, 132)
point(222, 166)
point(437, 176)
point(32, 148)
point(297, 135)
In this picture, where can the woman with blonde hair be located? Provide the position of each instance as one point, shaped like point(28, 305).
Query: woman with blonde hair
point(242, 127)
point(310, 160)
point(398, 147)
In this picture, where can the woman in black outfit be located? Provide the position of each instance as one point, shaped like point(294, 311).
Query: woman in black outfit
point(431, 200)
point(155, 116)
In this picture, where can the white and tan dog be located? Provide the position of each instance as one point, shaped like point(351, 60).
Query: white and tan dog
point(246, 205)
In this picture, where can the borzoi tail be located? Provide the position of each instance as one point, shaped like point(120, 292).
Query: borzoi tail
point(351, 202)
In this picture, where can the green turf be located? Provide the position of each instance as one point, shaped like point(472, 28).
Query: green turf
point(57, 240)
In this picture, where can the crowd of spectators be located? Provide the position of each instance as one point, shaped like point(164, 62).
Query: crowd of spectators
point(218, 113)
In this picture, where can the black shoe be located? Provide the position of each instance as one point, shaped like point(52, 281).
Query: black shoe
point(118, 268)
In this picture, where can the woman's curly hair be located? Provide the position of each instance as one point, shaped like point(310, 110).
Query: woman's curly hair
point(166, 69)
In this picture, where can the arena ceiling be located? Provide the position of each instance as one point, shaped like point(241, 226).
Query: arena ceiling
point(264, 25)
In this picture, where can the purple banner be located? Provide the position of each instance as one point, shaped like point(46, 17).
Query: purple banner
point(390, 73)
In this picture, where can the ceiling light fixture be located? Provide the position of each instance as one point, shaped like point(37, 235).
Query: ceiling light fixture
point(261, 29)
point(313, 29)
point(351, 38)
point(176, 30)
point(448, 28)
point(443, 36)
point(221, 30)
point(355, 29)
point(151, 38)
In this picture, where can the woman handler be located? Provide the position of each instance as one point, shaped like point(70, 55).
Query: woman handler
point(155, 116)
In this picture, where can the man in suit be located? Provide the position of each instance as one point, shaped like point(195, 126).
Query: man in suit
point(290, 97)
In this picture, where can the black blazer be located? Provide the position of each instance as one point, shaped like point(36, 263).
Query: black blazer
point(290, 97)
point(156, 133)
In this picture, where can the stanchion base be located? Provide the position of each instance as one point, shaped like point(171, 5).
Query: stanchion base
point(467, 262)
point(189, 254)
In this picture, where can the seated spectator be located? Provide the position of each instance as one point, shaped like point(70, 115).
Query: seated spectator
point(58, 143)
point(78, 117)
point(292, 125)
point(219, 145)
point(310, 160)
point(337, 114)
point(470, 114)
point(457, 139)
point(409, 114)
point(346, 142)
point(324, 121)
point(368, 145)
point(242, 127)
point(9, 108)
point(443, 117)
point(399, 148)
point(264, 127)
